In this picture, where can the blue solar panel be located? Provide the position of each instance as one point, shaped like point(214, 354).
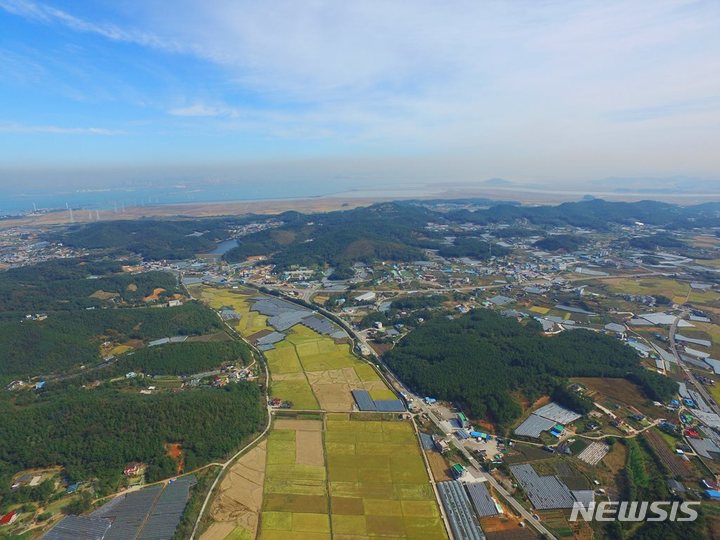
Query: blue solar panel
point(363, 400)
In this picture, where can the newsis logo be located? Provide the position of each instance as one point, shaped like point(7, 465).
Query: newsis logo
point(635, 511)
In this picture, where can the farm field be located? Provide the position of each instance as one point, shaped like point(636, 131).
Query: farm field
point(333, 477)
point(676, 290)
point(607, 391)
point(295, 495)
point(235, 511)
point(378, 482)
point(310, 370)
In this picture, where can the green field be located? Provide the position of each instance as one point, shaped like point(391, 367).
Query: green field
point(357, 479)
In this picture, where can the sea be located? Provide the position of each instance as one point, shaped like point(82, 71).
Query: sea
point(17, 202)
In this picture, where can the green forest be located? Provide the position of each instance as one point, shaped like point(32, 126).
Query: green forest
point(94, 434)
point(185, 358)
point(66, 284)
point(560, 242)
point(67, 339)
point(380, 232)
point(153, 239)
point(479, 359)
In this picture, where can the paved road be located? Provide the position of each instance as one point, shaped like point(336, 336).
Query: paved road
point(475, 466)
point(689, 374)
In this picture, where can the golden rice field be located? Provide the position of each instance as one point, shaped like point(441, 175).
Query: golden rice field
point(310, 370)
point(336, 477)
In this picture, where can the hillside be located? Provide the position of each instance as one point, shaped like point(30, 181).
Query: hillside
point(480, 359)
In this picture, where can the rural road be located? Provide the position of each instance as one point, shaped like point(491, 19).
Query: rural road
point(689, 374)
point(478, 472)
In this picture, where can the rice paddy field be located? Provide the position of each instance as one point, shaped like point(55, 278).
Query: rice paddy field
point(377, 481)
point(310, 370)
point(347, 479)
point(328, 474)
point(680, 292)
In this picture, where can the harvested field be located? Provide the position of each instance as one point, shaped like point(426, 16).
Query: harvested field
point(378, 481)
point(676, 465)
point(439, 467)
point(295, 493)
point(236, 508)
point(620, 391)
point(309, 448)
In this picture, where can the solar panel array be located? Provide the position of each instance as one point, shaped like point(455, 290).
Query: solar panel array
point(389, 405)
point(168, 510)
point(283, 315)
point(534, 425)
point(366, 403)
point(79, 528)
point(481, 500)
point(363, 400)
point(558, 413)
point(463, 522)
point(129, 514)
point(269, 339)
point(545, 492)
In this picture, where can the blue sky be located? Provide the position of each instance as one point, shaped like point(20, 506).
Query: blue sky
point(401, 91)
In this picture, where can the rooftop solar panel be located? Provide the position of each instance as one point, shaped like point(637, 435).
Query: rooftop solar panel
point(363, 400)
point(482, 501)
point(79, 528)
point(463, 523)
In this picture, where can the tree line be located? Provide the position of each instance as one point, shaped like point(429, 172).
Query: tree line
point(481, 359)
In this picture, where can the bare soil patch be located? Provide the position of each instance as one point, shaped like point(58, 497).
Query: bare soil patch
point(309, 448)
point(240, 496)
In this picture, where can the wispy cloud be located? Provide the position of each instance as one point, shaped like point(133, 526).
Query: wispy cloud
point(666, 110)
point(12, 127)
point(46, 14)
point(553, 88)
point(204, 110)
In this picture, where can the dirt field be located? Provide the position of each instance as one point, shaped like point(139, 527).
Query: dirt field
point(309, 448)
point(619, 390)
point(438, 466)
point(240, 496)
point(676, 465)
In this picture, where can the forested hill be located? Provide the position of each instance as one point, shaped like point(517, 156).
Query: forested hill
point(481, 358)
point(154, 239)
point(597, 214)
point(384, 231)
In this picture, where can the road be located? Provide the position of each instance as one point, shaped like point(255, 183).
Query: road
point(306, 292)
point(475, 466)
point(689, 374)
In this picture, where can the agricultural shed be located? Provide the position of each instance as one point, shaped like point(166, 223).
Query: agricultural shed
point(463, 523)
point(558, 413)
point(481, 499)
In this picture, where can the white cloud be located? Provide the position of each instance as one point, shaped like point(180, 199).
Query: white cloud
point(12, 127)
point(510, 87)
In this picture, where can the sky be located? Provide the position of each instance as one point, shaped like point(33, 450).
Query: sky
point(100, 92)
